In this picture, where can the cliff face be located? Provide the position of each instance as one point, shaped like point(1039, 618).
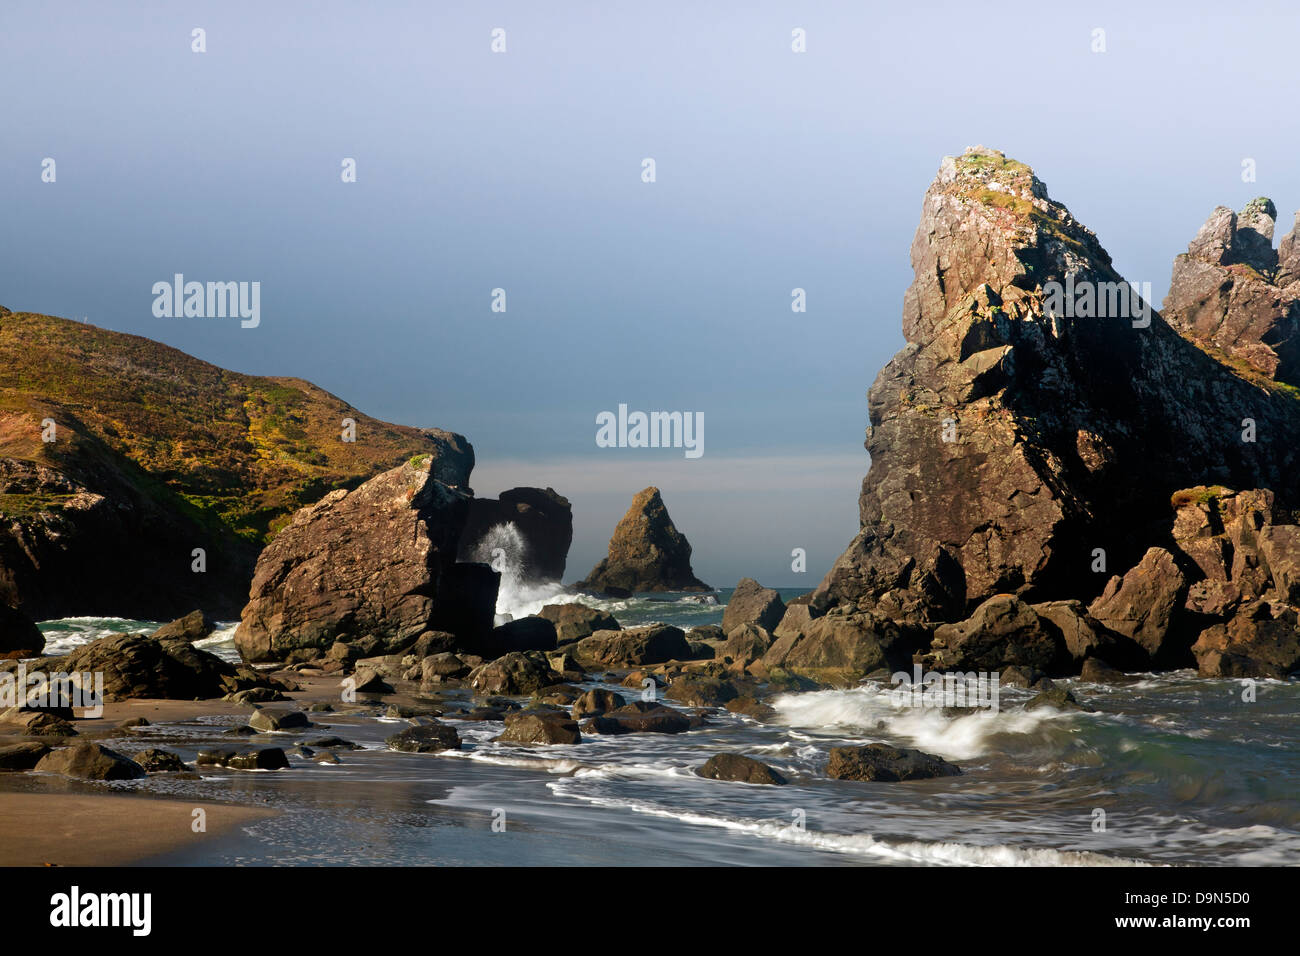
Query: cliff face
point(1035, 416)
point(155, 454)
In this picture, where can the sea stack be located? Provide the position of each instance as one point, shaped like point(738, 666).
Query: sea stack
point(1020, 447)
point(646, 553)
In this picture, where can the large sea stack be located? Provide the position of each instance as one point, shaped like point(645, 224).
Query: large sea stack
point(1012, 444)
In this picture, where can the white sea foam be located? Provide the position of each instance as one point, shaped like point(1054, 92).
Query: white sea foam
point(871, 711)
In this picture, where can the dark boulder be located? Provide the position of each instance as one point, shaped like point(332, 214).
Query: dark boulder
point(883, 763)
point(543, 521)
point(739, 769)
point(192, 627)
point(573, 622)
point(90, 762)
point(425, 738)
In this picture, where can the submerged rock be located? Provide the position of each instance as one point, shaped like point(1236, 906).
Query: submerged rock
point(425, 738)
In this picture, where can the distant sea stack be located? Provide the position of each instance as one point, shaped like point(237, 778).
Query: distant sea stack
point(543, 520)
point(119, 457)
point(646, 553)
point(1014, 443)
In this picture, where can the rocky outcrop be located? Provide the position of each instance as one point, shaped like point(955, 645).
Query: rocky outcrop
point(365, 562)
point(157, 449)
point(646, 553)
point(1003, 632)
point(1236, 296)
point(573, 622)
point(19, 635)
point(1035, 425)
point(535, 523)
point(1142, 604)
point(751, 603)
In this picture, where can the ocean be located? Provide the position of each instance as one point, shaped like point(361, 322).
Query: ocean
point(1171, 769)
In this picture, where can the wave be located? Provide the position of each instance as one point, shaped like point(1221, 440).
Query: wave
point(871, 710)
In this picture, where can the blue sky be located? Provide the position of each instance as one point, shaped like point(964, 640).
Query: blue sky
point(522, 171)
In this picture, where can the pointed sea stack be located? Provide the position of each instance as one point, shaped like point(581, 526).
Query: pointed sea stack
point(647, 553)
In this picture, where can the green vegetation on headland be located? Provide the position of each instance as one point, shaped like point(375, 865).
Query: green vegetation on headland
point(234, 452)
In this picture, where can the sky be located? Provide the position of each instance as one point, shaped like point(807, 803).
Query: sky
point(522, 170)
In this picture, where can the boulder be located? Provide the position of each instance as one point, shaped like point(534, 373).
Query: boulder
point(646, 553)
point(514, 674)
point(19, 635)
point(841, 649)
point(739, 769)
point(22, 756)
point(267, 758)
point(281, 721)
point(90, 762)
point(466, 603)
point(749, 707)
point(540, 523)
point(635, 646)
point(746, 644)
point(137, 666)
point(157, 760)
point(639, 717)
point(192, 627)
point(883, 763)
point(430, 737)
point(522, 634)
point(1056, 697)
point(367, 561)
point(700, 691)
point(1085, 637)
point(596, 702)
point(540, 727)
point(437, 668)
point(1142, 605)
point(1261, 640)
point(751, 603)
point(1001, 632)
point(573, 622)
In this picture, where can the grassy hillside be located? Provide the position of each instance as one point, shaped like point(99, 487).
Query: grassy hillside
point(241, 451)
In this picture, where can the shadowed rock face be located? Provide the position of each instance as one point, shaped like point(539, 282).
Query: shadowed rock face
point(544, 520)
point(366, 562)
point(1235, 295)
point(1009, 439)
point(647, 553)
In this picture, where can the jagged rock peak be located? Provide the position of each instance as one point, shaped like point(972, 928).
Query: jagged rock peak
point(989, 219)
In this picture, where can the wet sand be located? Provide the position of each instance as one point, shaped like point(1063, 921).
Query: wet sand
point(61, 829)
